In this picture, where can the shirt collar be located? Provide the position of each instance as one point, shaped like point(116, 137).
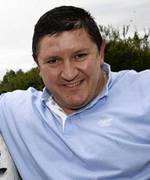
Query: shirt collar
point(45, 95)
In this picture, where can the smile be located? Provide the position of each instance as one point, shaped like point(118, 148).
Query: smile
point(71, 85)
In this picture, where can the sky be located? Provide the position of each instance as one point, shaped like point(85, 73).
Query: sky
point(18, 17)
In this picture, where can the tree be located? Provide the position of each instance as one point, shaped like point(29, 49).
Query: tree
point(125, 52)
point(21, 80)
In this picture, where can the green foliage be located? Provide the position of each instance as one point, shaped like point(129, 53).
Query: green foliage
point(122, 52)
point(20, 80)
point(125, 52)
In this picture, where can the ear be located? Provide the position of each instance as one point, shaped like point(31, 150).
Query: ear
point(102, 51)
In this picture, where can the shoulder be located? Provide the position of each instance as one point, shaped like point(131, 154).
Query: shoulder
point(132, 78)
point(19, 97)
point(132, 84)
point(139, 80)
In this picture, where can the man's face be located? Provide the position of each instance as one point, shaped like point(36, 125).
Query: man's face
point(69, 64)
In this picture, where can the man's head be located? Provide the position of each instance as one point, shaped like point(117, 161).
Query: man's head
point(69, 52)
point(65, 18)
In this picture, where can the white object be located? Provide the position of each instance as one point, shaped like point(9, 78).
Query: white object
point(8, 170)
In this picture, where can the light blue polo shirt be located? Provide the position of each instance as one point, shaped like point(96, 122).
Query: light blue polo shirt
point(109, 139)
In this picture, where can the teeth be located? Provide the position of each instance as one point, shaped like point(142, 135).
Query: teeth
point(73, 85)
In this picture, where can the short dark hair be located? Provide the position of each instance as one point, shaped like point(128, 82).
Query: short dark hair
point(65, 18)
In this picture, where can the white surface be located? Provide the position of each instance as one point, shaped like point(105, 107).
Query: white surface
point(6, 162)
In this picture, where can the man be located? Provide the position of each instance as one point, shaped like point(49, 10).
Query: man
point(88, 123)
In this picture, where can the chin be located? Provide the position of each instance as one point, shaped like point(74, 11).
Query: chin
point(78, 105)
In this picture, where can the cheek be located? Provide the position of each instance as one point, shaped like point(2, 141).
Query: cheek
point(91, 68)
point(87, 67)
point(94, 74)
point(48, 76)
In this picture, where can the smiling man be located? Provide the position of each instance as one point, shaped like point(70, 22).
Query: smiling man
point(88, 123)
point(70, 62)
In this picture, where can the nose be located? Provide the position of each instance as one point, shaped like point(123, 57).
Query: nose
point(69, 71)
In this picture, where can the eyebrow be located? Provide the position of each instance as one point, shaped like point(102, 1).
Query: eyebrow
point(81, 50)
point(52, 57)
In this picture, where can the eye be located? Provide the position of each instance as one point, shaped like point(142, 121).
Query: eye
point(52, 60)
point(80, 56)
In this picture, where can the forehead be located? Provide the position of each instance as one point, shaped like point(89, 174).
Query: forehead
point(73, 39)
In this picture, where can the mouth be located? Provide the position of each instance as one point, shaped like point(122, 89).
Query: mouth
point(72, 85)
